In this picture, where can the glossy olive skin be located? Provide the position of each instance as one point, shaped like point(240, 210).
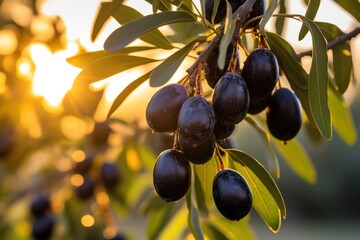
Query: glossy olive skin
point(42, 228)
point(222, 131)
point(40, 206)
point(230, 99)
point(258, 9)
point(258, 107)
point(261, 73)
point(232, 194)
point(196, 120)
point(283, 117)
point(171, 175)
point(85, 190)
point(198, 153)
point(110, 175)
point(214, 73)
point(163, 108)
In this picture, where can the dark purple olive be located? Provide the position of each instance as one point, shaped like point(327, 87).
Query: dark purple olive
point(231, 99)
point(84, 166)
point(283, 117)
point(198, 153)
point(100, 134)
point(118, 237)
point(40, 206)
point(258, 107)
point(214, 73)
point(261, 73)
point(85, 190)
point(43, 227)
point(257, 10)
point(163, 108)
point(223, 131)
point(172, 175)
point(232, 194)
point(196, 120)
point(110, 175)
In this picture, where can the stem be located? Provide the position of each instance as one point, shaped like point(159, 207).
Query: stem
point(335, 42)
point(241, 14)
point(222, 166)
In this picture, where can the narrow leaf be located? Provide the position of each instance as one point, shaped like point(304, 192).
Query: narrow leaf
point(287, 59)
point(124, 14)
point(193, 217)
point(297, 159)
point(279, 22)
point(227, 37)
point(126, 92)
point(310, 14)
point(175, 226)
point(267, 15)
point(84, 59)
point(272, 161)
point(103, 15)
point(215, 10)
point(352, 6)
point(130, 31)
point(342, 119)
point(106, 67)
point(318, 80)
point(159, 218)
point(267, 199)
point(155, 5)
point(163, 72)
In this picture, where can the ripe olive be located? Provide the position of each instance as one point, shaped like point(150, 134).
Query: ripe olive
point(257, 10)
point(100, 134)
point(260, 72)
point(172, 175)
point(84, 166)
point(258, 107)
point(284, 114)
point(198, 153)
point(196, 120)
point(223, 131)
point(163, 108)
point(86, 189)
point(231, 99)
point(40, 205)
point(110, 175)
point(232, 194)
point(214, 73)
point(43, 227)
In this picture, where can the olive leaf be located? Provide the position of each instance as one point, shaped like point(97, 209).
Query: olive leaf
point(310, 14)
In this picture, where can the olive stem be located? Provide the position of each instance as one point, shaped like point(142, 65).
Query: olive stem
point(335, 42)
point(218, 154)
point(198, 81)
point(241, 14)
point(176, 142)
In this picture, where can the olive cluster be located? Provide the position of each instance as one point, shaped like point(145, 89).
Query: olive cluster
point(44, 223)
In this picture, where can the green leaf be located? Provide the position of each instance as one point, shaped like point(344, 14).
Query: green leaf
point(130, 31)
point(163, 72)
point(124, 14)
point(267, 15)
point(352, 6)
point(267, 199)
point(155, 5)
point(240, 230)
point(212, 233)
point(103, 15)
point(310, 14)
point(204, 177)
point(279, 22)
point(176, 226)
point(342, 119)
point(272, 161)
point(108, 66)
point(126, 92)
point(193, 217)
point(297, 159)
point(163, 5)
point(342, 60)
point(227, 37)
point(84, 59)
point(287, 59)
point(158, 220)
point(215, 9)
point(318, 80)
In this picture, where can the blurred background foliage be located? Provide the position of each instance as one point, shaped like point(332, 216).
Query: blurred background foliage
point(50, 129)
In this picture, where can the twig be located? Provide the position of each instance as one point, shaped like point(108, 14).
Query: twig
point(333, 43)
point(241, 14)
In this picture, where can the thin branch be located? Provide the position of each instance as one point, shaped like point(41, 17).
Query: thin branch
point(241, 14)
point(335, 42)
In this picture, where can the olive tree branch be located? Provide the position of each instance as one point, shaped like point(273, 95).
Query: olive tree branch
point(241, 15)
point(335, 42)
